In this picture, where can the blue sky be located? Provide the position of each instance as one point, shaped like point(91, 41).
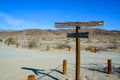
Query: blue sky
point(42, 14)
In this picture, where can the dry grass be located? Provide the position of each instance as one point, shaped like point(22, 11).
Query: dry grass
point(99, 39)
point(10, 40)
point(91, 48)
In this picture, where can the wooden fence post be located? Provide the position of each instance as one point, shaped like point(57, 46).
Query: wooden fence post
point(1, 40)
point(47, 48)
point(69, 48)
point(109, 66)
point(30, 47)
point(17, 44)
point(8, 43)
point(31, 77)
point(93, 49)
point(64, 67)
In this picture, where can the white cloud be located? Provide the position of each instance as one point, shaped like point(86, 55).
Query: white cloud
point(10, 22)
point(16, 23)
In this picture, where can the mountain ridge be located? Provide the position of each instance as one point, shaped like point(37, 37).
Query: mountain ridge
point(59, 32)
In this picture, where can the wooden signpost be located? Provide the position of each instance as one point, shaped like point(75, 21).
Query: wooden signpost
point(78, 35)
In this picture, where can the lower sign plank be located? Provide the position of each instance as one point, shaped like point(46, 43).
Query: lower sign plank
point(78, 35)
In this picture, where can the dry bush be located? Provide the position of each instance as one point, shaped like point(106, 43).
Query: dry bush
point(0, 40)
point(32, 44)
point(114, 44)
point(29, 43)
point(10, 40)
point(91, 48)
point(88, 41)
point(62, 45)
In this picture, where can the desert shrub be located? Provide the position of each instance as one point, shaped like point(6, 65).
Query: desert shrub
point(91, 48)
point(88, 41)
point(32, 44)
point(10, 40)
point(114, 44)
point(44, 39)
point(101, 48)
point(62, 45)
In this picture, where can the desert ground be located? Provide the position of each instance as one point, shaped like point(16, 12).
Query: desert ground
point(16, 63)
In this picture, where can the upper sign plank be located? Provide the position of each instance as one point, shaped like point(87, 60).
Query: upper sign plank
point(78, 24)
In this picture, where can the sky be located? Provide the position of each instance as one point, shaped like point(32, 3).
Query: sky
point(42, 14)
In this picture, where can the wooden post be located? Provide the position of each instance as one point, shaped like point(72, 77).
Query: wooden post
point(17, 44)
point(47, 48)
point(69, 48)
point(30, 46)
point(77, 54)
point(1, 40)
point(31, 77)
point(64, 67)
point(109, 66)
point(8, 43)
point(93, 49)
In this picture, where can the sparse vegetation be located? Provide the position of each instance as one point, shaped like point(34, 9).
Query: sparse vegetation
point(88, 41)
point(32, 44)
point(62, 45)
point(114, 44)
point(91, 48)
point(40, 38)
point(10, 40)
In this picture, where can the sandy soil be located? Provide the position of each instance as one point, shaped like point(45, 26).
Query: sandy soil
point(18, 63)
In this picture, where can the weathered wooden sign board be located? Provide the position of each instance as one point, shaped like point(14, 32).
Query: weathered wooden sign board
point(78, 35)
point(74, 24)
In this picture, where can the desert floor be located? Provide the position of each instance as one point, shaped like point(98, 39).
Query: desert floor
point(18, 63)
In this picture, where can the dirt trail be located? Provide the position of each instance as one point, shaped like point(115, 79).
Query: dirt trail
point(18, 63)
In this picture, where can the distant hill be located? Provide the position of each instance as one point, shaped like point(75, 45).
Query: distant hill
point(6, 31)
point(56, 33)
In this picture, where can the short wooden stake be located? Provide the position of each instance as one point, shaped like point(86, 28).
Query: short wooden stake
point(93, 49)
point(47, 48)
point(69, 48)
point(8, 44)
point(1, 40)
point(17, 44)
point(30, 46)
point(31, 77)
point(64, 67)
point(109, 66)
